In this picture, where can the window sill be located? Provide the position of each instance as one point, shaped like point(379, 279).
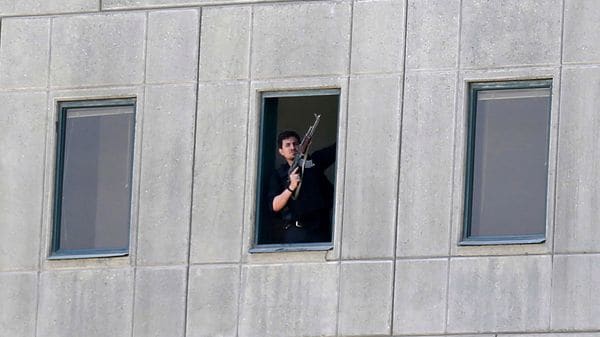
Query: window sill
point(292, 247)
point(502, 240)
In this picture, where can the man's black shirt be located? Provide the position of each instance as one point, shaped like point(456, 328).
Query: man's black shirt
point(315, 199)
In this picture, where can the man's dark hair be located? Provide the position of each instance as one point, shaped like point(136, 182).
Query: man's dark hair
point(283, 135)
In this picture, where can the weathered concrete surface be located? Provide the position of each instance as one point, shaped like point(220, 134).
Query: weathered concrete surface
point(103, 49)
point(19, 66)
point(36, 7)
point(575, 292)
point(296, 293)
point(166, 174)
point(498, 294)
point(291, 300)
point(132, 4)
point(420, 296)
point(91, 303)
point(580, 32)
point(159, 304)
point(378, 36)
point(213, 300)
point(217, 213)
point(366, 298)
point(22, 136)
point(578, 189)
point(225, 43)
point(432, 34)
point(425, 198)
point(18, 298)
point(172, 51)
point(371, 167)
point(510, 33)
point(300, 39)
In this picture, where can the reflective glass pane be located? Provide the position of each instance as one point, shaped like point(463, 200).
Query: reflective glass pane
point(96, 188)
point(510, 162)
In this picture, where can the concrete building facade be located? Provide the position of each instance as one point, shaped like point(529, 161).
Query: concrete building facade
point(197, 69)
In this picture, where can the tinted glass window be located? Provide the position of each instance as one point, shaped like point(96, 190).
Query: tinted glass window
point(509, 162)
point(97, 155)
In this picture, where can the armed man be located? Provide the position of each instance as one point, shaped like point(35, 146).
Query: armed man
point(299, 193)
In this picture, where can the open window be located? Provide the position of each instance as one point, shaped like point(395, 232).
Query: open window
point(305, 222)
point(92, 200)
point(507, 162)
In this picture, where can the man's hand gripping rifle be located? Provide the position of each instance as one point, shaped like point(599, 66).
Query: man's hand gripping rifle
point(302, 154)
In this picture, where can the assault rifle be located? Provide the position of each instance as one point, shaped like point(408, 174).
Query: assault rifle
point(302, 154)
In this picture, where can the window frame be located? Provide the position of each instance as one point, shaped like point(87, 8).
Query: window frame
point(256, 247)
point(473, 89)
point(56, 253)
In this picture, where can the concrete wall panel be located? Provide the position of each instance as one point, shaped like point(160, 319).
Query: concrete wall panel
point(172, 50)
point(131, 4)
point(213, 301)
point(301, 39)
point(561, 334)
point(578, 191)
point(91, 303)
point(18, 295)
point(166, 174)
point(22, 136)
point(217, 218)
point(366, 298)
point(511, 32)
point(35, 7)
point(575, 292)
point(581, 31)
point(432, 35)
point(159, 307)
point(98, 49)
point(378, 36)
point(371, 167)
point(424, 214)
point(24, 53)
point(498, 294)
point(420, 296)
point(291, 300)
point(225, 43)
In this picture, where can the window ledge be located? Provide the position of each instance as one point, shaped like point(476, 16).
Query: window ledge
point(292, 247)
point(502, 240)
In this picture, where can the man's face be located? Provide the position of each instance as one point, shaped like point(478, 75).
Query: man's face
point(289, 148)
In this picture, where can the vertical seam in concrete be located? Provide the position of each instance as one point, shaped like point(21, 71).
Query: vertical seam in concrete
point(146, 37)
point(191, 210)
point(556, 159)
point(349, 75)
point(248, 111)
point(454, 164)
point(399, 162)
point(340, 221)
point(100, 5)
point(140, 129)
point(49, 67)
point(49, 125)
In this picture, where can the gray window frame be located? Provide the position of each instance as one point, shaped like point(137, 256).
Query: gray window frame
point(63, 106)
point(467, 239)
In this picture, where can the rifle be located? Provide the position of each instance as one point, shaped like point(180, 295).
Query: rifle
point(302, 154)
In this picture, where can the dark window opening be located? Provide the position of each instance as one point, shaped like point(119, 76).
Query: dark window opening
point(94, 164)
point(304, 220)
point(507, 162)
